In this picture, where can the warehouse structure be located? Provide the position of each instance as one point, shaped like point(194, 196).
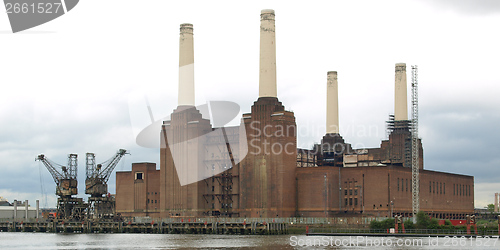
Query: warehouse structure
point(256, 169)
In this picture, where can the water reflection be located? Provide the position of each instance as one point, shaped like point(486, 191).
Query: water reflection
point(192, 241)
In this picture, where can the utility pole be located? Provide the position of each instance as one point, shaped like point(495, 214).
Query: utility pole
point(326, 195)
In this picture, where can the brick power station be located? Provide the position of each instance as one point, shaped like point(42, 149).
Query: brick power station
point(256, 169)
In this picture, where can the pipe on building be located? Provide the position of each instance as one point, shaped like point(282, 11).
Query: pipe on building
point(37, 209)
point(15, 210)
point(186, 66)
point(26, 209)
point(400, 95)
point(332, 103)
point(267, 74)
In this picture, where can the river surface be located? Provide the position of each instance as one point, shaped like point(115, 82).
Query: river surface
point(200, 241)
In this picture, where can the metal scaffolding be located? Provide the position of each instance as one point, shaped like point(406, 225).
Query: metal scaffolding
point(414, 143)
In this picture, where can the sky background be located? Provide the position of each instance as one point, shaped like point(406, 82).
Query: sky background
point(72, 85)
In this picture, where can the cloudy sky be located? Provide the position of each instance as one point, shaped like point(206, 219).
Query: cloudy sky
point(71, 85)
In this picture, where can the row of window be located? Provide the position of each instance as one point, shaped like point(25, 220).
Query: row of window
point(351, 192)
point(350, 201)
point(230, 205)
point(437, 187)
point(155, 193)
point(403, 185)
point(152, 201)
point(461, 190)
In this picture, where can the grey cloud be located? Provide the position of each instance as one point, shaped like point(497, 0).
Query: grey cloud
point(473, 7)
point(462, 139)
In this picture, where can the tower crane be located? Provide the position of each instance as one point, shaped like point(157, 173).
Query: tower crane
point(68, 207)
point(101, 205)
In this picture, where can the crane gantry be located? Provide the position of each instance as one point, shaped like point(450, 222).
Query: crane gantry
point(101, 205)
point(68, 207)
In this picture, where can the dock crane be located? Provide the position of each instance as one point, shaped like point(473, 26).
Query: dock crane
point(68, 207)
point(101, 205)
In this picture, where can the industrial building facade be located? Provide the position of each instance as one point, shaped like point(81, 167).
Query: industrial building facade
point(256, 169)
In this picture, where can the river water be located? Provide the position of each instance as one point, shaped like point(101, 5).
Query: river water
point(200, 241)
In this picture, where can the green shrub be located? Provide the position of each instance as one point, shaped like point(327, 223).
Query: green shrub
point(409, 224)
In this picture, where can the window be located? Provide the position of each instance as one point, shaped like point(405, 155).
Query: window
point(350, 191)
point(345, 191)
point(453, 189)
point(350, 201)
point(406, 185)
point(346, 201)
point(139, 175)
point(355, 201)
point(213, 188)
point(430, 187)
point(355, 192)
point(155, 193)
point(148, 200)
point(440, 188)
point(433, 187)
point(155, 201)
point(398, 184)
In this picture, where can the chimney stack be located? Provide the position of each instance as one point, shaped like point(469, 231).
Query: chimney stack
point(186, 66)
point(267, 75)
point(332, 103)
point(400, 102)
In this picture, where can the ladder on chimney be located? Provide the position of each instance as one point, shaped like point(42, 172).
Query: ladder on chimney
point(414, 143)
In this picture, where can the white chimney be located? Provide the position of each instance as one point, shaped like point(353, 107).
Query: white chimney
point(332, 103)
point(186, 66)
point(267, 75)
point(400, 102)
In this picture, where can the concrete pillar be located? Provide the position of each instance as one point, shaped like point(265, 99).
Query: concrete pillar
point(26, 209)
point(332, 103)
point(186, 66)
point(400, 100)
point(37, 209)
point(267, 74)
point(15, 209)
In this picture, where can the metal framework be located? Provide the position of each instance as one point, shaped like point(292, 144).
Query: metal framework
point(68, 207)
point(222, 183)
point(101, 205)
point(414, 143)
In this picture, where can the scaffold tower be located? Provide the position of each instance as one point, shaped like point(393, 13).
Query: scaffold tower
point(414, 143)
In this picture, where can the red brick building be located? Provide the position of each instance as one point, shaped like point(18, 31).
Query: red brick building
point(256, 170)
point(138, 191)
point(381, 191)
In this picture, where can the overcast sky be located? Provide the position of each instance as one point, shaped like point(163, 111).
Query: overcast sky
point(67, 85)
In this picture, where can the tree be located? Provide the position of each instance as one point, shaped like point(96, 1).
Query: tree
point(423, 220)
point(490, 208)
